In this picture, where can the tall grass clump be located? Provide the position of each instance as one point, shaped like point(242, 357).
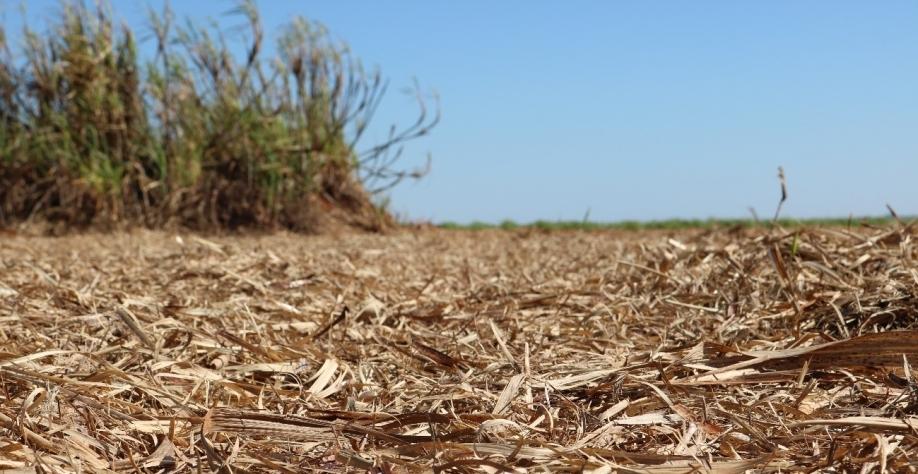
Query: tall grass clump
point(207, 132)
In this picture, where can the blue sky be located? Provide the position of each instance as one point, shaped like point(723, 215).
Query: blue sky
point(636, 109)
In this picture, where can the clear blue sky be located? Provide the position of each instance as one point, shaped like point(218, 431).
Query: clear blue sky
point(638, 109)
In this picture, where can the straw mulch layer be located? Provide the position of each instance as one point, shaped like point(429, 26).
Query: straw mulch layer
point(690, 351)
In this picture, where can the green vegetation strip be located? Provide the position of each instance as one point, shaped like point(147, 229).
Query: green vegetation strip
point(673, 224)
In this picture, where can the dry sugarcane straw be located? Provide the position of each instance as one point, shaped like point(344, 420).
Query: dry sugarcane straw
point(650, 351)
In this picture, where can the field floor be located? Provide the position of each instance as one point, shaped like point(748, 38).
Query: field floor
point(449, 350)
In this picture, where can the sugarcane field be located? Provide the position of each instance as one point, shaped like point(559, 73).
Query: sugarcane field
point(616, 237)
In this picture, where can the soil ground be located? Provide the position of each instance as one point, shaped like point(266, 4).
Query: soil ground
point(652, 351)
